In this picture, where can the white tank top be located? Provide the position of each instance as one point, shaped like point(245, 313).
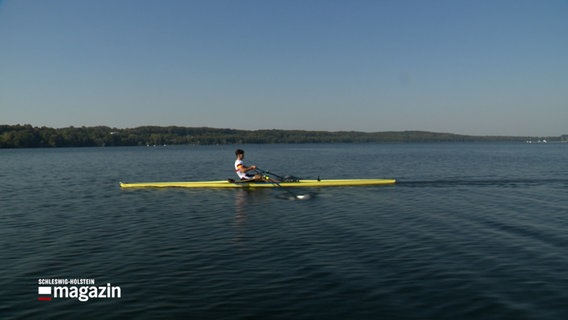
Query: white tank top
point(241, 175)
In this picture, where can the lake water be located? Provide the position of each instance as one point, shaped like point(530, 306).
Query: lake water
point(471, 231)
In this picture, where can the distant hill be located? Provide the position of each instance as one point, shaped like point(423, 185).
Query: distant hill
point(27, 136)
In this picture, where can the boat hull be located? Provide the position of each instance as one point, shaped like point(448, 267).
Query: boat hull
point(227, 184)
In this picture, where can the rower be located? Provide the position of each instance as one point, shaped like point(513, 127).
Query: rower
point(244, 172)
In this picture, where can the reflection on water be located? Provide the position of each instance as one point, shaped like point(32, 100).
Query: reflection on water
point(250, 202)
point(241, 202)
point(241, 196)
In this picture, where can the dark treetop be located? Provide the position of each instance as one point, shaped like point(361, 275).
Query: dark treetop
point(27, 136)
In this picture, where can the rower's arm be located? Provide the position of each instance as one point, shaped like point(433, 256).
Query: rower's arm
point(243, 168)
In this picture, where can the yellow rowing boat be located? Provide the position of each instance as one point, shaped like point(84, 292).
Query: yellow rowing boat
point(238, 184)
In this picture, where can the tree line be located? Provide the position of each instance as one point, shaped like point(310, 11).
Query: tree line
point(27, 136)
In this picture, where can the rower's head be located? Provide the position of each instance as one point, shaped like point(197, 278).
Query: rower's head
point(240, 154)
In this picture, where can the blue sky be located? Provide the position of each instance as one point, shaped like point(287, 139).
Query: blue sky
point(488, 67)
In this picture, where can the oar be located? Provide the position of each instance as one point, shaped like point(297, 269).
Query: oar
point(300, 197)
point(268, 172)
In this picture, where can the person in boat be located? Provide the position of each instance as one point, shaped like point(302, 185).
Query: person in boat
point(244, 172)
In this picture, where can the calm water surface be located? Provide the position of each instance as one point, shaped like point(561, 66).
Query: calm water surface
point(471, 231)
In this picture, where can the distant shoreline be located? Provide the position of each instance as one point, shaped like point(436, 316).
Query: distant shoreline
point(27, 136)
